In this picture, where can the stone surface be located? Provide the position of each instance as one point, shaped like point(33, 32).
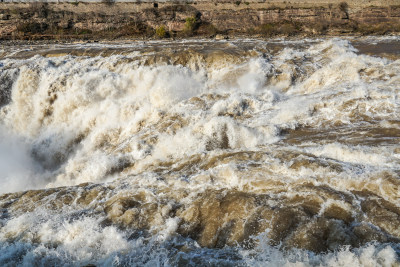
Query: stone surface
point(224, 16)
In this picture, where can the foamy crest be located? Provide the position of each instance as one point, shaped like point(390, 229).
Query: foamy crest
point(197, 153)
point(369, 255)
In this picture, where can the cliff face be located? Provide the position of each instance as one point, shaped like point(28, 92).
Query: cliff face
point(24, 20)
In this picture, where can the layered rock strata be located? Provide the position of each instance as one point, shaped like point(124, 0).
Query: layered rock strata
point(62, 19)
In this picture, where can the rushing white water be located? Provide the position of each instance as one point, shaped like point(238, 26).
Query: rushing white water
point(240, 153)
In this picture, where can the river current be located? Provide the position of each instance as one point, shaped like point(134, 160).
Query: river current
point(201, 153)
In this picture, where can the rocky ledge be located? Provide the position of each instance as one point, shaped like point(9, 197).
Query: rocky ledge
point(111, 20)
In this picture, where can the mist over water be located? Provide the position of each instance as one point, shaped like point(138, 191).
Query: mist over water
point(243, 153)
point(18, 170)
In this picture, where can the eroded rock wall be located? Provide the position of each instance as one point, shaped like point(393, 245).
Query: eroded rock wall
point(74, 18)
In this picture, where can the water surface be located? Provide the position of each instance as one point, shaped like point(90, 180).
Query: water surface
point(203, 153)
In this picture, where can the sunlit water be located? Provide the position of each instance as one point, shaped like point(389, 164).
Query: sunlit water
point(244, 153)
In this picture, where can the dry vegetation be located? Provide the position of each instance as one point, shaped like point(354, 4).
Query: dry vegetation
point(39, 21)
point(41, 30)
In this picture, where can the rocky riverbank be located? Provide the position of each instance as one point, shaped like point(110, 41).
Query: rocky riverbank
point(109, 20)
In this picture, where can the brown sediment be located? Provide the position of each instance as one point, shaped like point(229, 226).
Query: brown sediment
point(307, 216)
point(366, 135)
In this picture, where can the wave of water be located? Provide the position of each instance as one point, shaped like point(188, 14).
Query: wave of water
point(232, 153)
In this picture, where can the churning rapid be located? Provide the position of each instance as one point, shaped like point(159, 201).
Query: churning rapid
point(200, 153)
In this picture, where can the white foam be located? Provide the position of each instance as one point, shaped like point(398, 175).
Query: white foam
point(368, 156)
point(368, 255)
point(84, 119)
point(76, 110)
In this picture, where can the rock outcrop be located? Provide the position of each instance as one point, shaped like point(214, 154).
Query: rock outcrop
point(113, 20)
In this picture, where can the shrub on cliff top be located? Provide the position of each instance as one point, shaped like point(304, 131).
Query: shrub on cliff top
point(190, 24)
point(344, 6)
point(284, 28)
point(208, 29)
point(288, 29)
point(32, 27)
point(268, 29)
point(134, 28)
point(108, 2)
point(211, 30)
point(379, 28)
point(161, 32)
point(39, 8)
